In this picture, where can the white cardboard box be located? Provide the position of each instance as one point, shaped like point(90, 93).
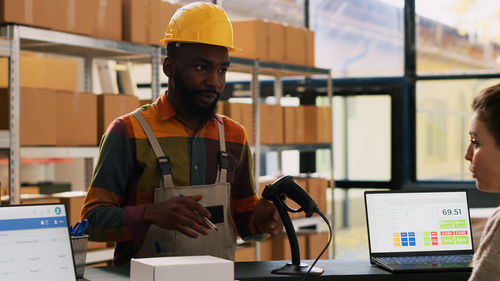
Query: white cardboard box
point(186, 268)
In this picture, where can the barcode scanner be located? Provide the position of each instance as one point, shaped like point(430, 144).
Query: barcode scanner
point(284, 187)
point(277, 192)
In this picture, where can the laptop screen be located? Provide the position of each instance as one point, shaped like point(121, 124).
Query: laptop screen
point(418, 221)
point(35, 243)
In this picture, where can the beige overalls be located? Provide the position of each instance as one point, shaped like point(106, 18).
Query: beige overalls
point(162, 242)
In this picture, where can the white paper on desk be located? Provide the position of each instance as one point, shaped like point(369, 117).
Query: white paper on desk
point(186, 268)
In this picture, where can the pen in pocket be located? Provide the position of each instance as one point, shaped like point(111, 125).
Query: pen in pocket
point(210, 223)
point(158, 247)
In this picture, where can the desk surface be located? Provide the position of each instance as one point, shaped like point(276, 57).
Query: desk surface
point(343, 269)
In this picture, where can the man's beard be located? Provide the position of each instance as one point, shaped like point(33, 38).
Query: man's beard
point(187, 99)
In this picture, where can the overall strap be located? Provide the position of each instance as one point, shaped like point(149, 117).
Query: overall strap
point(222, 156)
point(163, 161)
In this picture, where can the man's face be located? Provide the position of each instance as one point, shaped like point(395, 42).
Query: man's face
point(199, 76)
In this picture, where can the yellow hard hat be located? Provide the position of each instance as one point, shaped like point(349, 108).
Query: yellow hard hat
point(200, 22)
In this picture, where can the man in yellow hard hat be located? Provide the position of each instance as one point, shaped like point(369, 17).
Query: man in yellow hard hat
point(173, 177)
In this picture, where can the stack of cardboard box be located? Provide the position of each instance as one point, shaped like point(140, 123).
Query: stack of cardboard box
point(110, 106)
point(42, 72)
point(270, 41)
point(64, 118)
point(305, 124)
point(145, 21)
point(97, 18)
point(241, 113)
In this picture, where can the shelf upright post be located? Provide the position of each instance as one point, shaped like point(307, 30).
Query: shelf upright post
point(14, 118)
point(278, 94)
point(255, 88)
point(88, 71)
point(89, 88)
point(155, 72)
point(329, 88)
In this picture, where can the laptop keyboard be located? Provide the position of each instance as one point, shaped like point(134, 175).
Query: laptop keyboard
point(426, 259)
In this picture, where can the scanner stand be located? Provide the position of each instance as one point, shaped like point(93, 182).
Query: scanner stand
point(277, 192)
point(296, 267)
point(292, 269)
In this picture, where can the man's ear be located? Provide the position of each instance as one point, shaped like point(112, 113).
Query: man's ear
point(168, 67)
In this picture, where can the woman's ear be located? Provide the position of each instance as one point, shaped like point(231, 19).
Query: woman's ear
point(168, 67)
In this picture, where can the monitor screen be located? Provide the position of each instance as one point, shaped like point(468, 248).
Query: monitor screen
point(418, 221)
point(35, 243)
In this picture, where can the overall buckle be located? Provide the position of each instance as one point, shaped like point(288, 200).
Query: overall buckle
point(223, 159)
point(164, 165)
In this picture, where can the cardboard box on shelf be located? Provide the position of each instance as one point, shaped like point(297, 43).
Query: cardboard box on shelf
point(220, 108)
point(28, 12)
point(324, 124)
point(38, 116)
point(86, 119)
point(295, 46)
point(271, 124)
point(275, 42)
point(30, 190)
point(317, 187)
point(110, 107)
point(42, 72)
point(141, 20)
point(106, 19)
point(66, 117)
point(154, 28)
point(76, 119)
point(245, 253)
point(251, 36)
point(300, 125)
point(248, 122)
point(17, 11)
point(266, 250)
point(310, 123)
point(281, 247)
point(309, 37)
point(290, 124)
point(315, 243)
point(241, 113)
point(72, 16)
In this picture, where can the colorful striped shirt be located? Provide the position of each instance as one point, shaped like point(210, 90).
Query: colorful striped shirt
point(126, 173)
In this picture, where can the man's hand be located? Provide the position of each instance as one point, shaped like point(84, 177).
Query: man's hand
point(267, 218)
point(178, 213)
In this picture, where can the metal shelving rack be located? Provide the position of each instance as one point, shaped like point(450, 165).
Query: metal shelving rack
point(278, 71)
point(14, 38)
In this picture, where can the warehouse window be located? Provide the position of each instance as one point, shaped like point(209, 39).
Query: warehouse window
point(358, 38)
point(442, 124)
point(457, 55)
point(290, 12)
point(457, 36)
point(363, 127)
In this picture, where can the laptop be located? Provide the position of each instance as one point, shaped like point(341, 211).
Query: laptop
point(410, 231)
point(35, 243)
